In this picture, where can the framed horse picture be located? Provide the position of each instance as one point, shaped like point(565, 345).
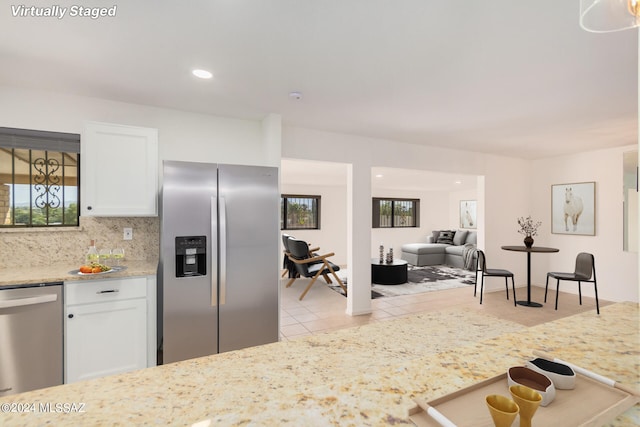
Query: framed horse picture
point(573, 208)
point(468, 216)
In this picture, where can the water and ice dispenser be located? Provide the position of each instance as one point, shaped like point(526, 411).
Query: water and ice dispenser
point(191, 256)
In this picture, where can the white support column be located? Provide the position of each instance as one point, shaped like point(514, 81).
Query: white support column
point(358, 239)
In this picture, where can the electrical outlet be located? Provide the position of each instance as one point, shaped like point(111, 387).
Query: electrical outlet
point(128, 234)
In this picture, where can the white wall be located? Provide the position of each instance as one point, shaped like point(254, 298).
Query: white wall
point(182, 135)
point(433, 215)
point(438, 210)
point(332, 236)
point(506, 189)
point(455, 198)
point(512, 188)
point(617, 270)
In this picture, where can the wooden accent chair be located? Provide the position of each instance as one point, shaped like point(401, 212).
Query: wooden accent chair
point(585, 271)
point(481, 267)
point(311, 265)
point(290, 267)
point(287, 265)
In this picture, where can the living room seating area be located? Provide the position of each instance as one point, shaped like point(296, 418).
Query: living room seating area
point(450, 247)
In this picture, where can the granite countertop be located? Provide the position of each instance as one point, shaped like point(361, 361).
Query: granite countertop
point(61, 273)
point(359, 376)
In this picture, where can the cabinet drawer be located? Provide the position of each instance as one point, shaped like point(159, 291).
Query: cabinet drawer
point(92, 291)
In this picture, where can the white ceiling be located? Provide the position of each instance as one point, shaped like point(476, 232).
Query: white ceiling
point(306, 173)
point(499, 76)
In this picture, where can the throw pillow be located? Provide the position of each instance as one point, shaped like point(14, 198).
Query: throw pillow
point(434, 236)
point(472, 238)
point(446, 237)
point(459, 237)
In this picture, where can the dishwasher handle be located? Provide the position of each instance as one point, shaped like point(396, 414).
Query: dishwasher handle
point(19, 302)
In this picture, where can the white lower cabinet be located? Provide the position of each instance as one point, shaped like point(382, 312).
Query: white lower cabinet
point(106, 327)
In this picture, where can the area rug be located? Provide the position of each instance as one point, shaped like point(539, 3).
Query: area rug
point(421, 279)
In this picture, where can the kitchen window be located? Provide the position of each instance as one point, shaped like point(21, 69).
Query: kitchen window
point(395, 213)
point(299, 212)
point(39, 178)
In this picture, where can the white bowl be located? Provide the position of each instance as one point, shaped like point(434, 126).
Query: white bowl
point(562, 375)
point(521, 375)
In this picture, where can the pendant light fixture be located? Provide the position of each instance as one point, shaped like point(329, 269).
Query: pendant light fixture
point(605, 16)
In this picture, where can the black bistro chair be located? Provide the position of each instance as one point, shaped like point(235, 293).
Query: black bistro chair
point(585, 271)
point(481, 267)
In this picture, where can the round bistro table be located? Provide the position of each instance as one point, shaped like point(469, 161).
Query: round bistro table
point(388, 274)
point(541, 249)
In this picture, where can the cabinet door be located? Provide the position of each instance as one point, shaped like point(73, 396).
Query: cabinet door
point(105, 338)
point(119, 170)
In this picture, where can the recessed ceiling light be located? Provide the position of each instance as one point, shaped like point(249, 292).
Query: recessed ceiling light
point(379, 176)
point(295, 95)
point(203, 74)
point(458, 182)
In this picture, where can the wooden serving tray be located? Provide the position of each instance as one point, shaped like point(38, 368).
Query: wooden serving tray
point(590, 403)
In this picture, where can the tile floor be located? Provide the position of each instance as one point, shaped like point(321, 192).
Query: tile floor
point(324, 310)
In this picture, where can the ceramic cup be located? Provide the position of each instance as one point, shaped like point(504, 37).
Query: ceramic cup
point(502, 409)
point(561, 375)
point(527, 400)
point(520, 375)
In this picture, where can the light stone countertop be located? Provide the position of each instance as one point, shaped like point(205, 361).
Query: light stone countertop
point(359, 376)
point(61, 273)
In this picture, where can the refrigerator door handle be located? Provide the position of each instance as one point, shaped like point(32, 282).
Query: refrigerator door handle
point(222, 236)
point(214, 287)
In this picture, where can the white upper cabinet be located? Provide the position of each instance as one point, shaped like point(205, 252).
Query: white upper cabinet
point(119, 170)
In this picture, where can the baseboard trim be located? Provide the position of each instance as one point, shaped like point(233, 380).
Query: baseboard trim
point(359, 313)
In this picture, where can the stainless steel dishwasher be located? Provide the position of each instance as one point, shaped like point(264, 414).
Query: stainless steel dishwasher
point(30, 337)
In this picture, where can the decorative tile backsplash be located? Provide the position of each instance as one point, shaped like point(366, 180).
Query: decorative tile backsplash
point(48, 246)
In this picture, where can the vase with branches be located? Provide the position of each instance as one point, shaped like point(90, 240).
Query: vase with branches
point(529, 228)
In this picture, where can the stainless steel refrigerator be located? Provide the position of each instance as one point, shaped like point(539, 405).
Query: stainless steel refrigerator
point(219, 258)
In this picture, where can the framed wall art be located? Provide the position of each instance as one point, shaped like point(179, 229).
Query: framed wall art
point(468, 216)
point(573, 208)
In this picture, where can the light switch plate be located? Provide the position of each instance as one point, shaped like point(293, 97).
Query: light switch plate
point(128, 234)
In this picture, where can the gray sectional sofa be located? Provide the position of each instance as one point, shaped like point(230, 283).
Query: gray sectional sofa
point(440, 249)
